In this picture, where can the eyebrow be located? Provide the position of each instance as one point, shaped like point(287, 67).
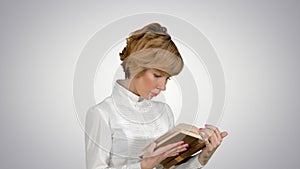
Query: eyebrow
point(162, 72)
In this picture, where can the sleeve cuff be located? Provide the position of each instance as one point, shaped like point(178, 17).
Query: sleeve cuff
point(195, 163)
point(135, 166)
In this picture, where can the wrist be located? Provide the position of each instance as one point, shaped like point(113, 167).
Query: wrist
point(202, 162)
point(203, 159)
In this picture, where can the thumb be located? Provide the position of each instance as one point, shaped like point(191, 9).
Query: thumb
point(223, 134)
point(149, 151)
point(152, 147)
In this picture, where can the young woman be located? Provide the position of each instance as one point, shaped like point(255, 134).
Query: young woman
point(118, 128)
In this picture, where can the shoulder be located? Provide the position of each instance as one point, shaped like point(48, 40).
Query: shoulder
point(165, 109)
point(101, 109)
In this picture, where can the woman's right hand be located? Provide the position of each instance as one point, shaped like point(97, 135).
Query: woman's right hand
point(152, 157)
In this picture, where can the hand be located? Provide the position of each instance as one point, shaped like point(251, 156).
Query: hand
point(153, 157)
point(213, 138)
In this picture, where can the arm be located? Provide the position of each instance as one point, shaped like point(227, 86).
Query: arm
point(98, 141)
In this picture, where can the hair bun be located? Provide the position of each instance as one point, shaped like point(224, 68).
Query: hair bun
point(152, 28)
point(157, 28)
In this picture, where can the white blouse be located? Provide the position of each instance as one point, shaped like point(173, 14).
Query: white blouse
point(118, 128)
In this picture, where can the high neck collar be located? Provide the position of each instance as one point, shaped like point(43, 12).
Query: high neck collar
point(133, 108)
point(124, 97)
point(120, 88)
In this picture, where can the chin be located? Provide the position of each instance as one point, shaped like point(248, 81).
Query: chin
point(148, 98)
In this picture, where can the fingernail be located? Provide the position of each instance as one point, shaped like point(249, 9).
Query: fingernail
point(202, 129)
point(186, 145)
point(184, 149)
point(182, 142)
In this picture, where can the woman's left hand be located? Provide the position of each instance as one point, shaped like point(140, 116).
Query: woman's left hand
point(213, 138)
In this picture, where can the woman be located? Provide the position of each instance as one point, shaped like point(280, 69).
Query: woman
point(118, 128)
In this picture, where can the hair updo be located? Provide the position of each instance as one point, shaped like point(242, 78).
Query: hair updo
point(150, 47)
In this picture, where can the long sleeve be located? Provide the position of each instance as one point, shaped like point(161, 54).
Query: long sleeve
point(99, 141)
point(121, 126)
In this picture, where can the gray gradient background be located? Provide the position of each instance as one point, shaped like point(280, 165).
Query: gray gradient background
point(258, 46)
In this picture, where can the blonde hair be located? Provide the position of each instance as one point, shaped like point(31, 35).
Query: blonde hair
point(150, 47)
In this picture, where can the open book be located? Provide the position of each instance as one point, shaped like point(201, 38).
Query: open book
point(182, 132)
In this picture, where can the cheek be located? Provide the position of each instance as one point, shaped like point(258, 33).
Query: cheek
point(150, 83)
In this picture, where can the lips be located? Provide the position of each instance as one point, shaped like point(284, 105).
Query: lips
point(154, 94)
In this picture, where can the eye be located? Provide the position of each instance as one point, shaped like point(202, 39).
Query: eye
point(157, 75)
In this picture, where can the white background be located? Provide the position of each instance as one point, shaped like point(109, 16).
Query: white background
point(257, 43)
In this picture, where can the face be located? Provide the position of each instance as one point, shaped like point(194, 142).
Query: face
point(149, 84)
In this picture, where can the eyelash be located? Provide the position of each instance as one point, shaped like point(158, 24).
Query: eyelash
point(158, 76)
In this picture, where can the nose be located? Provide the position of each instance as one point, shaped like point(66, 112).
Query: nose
point(162, 84)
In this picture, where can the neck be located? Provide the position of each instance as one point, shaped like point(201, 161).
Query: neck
point(129, 85)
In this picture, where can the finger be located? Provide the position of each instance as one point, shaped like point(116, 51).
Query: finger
point(214, 140)
point(216, 130)
point(152, 147)
point(172, 154)
point(205, 132)
point(208, 145)
point(149, 150)
point(216, 133)
point(211, 127)
point(224, 134)
point(210, 138)
point(177, 150)
point(167, 148)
